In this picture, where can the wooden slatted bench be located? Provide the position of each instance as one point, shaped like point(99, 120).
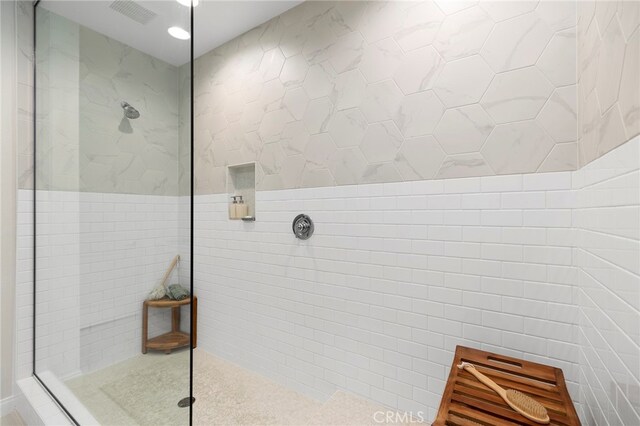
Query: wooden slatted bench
point(467, 402)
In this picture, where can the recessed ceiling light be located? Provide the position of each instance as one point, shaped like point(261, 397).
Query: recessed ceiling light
point(179, 33)
point(188, 2)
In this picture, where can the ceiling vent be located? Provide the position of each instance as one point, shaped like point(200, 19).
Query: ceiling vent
point(133, 10)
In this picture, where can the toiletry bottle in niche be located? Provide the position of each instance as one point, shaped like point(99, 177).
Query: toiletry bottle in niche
point(233, 207)
point(242, 209)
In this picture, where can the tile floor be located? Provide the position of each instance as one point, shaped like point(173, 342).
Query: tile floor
point(146, 389)
point(12, 419)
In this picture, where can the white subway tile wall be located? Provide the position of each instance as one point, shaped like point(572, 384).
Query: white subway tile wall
point(98, 256)
point(127, 243)
point(58, 277)
point(24, 285)
point(394, 277)
point(607, 260)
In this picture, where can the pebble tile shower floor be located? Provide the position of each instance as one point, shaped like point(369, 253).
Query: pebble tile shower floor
point(225, 394)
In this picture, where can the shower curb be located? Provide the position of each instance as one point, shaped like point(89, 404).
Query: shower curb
point(39, 408)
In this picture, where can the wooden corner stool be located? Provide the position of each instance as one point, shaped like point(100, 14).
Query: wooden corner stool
point(175, 338)
point(468, 402)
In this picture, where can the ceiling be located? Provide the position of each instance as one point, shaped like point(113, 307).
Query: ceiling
point(215, 22)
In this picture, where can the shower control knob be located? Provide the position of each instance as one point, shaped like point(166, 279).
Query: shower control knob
point(302, 227)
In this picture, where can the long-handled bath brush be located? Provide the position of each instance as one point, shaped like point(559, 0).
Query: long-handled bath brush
point(528, 407)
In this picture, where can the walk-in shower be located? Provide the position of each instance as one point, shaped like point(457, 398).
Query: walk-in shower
point(295, 211)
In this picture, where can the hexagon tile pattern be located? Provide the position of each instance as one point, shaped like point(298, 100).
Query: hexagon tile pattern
point(390, 91)
point(608, 77)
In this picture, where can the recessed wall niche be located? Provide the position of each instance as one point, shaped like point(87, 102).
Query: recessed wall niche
point(241, 182)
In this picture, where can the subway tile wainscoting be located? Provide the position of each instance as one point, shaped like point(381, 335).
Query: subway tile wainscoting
point(120, 243)
point(607, 261)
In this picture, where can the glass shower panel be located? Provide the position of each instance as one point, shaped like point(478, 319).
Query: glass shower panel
point(112, 209)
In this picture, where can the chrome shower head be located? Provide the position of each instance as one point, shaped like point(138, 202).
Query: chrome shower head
point(129, 111)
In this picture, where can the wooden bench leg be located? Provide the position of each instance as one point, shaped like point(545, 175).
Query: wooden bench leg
point(194, 322)
point(175, 319)
point(145, 326)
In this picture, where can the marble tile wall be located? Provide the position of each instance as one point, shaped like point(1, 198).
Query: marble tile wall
point(85, 143)
point(117, 154)
point(57, 102)
point(24, 64)
point(184, 129)
point(608, 70)
point(336, 93)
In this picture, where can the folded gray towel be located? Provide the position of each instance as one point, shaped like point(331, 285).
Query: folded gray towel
point(177, 292)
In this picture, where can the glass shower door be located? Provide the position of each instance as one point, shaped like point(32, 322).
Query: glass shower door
point(112, 209)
